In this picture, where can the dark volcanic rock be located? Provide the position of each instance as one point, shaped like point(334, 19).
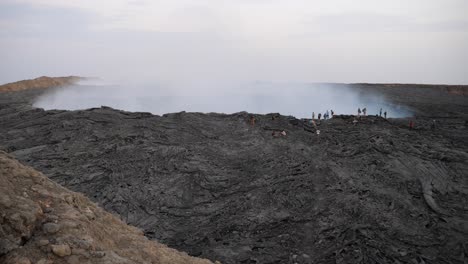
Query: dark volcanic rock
point(214, 186)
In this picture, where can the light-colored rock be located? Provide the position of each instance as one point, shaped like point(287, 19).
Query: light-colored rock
point(69, 199)
point(42, 242)
point(61, 250)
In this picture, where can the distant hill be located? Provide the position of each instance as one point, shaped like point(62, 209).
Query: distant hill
point(40, 83)
point(42, 222)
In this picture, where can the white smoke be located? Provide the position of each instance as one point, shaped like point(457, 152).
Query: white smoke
point(295, 99)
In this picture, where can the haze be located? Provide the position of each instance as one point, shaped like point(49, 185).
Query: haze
point(212, 46)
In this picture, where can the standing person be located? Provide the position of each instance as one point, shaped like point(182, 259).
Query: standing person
point(332, 113)
point(313, 115)
point(328, 114)
point(359, 111)
point(364, 111)
point(380, 114)
point(252, 120)
point(385, 114)
point(319, 116)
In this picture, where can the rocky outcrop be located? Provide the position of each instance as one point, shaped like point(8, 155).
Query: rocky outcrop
point(39, 83)
point(42, 222)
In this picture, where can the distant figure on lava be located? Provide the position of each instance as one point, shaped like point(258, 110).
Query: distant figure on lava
point(385, 114)
point(380, 114)
point(359, 111)
point(433, 125)
point(252, 120)
point(319, 116)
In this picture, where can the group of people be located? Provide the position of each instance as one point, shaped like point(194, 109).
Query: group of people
point(326, 115)
point(363, 112)
point(360, 112)
point(385, 113)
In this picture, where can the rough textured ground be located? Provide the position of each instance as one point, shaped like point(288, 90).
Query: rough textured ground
point(42, 222)
point(214, 186)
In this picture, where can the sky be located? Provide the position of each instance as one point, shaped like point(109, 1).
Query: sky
point(216, 42)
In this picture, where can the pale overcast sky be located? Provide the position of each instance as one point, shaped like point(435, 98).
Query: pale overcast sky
point(417, 41)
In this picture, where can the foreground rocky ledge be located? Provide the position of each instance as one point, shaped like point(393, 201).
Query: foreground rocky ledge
point(42, 222)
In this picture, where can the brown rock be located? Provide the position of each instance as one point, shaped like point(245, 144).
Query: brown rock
point(6, 246)
point(50, 228)
point(16, 222)
point(80, 251)
point(73, 260)
point(22, 260)
point(98, 254)
point(39, 83)
point(43, 261)
point(6, 201)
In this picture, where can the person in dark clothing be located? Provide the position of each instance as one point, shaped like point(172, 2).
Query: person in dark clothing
point(359, 111)
point(319, 116)
point(385, 114)
point(380, 114)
